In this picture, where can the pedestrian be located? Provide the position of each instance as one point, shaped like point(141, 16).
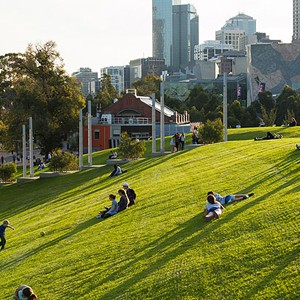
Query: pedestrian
point(2, 160)
point(182, 140)
point(3, 227)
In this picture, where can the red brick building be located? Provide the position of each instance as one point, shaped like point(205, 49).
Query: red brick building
point(132, 114)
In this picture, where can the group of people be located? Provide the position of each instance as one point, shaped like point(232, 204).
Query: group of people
point(127, 198)
point(177, 142)
point(214, 207)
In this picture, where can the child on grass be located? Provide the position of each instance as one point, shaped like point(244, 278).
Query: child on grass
point(3, 227)
point(213, 208)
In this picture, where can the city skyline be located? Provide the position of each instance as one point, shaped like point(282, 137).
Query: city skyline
point(110, 33)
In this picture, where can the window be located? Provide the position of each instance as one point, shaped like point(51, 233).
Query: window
point(96, 134)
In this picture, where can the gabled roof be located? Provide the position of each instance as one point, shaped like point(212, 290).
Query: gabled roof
point(148, 101)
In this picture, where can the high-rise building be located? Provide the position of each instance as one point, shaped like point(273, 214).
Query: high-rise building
point(296, 20)
point(210, 49)
point(116, 76)
point(162, 29)
point(139, 68)
point(89, 80)
point(185, 36)
point(236, 28)
point(243, 22)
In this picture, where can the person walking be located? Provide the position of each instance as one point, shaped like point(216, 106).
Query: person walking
point(3, 227)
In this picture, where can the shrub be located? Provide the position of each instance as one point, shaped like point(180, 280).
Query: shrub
point(8, 172)
point(131, 148)
point(63, 161)
point(211, 132)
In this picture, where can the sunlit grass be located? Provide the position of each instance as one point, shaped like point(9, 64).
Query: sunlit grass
point(161, 248)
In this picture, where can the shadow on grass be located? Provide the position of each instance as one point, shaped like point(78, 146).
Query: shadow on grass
point(179, 240)
point(51, 243)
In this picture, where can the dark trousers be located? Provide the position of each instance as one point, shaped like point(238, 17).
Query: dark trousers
point(3, 242)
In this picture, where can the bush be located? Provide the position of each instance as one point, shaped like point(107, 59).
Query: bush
point(8, 172)
point(131, 148)
point(63, 161)
point(211, 132)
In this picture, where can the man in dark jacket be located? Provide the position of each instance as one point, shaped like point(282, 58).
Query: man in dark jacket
point(130, 194)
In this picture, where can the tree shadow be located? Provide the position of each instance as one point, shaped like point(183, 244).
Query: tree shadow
point(77, 229)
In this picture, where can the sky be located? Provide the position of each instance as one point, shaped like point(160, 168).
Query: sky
point(102, 33)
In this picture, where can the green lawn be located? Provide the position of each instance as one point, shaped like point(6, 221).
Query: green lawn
point(161, 248)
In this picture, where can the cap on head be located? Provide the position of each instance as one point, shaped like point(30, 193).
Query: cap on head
point(125, 184)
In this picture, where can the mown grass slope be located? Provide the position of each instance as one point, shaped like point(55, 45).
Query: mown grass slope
point(161, 248)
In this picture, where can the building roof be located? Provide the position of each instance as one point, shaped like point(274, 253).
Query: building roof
point(148, 101)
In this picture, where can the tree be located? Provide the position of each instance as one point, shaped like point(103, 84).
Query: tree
point(37, 85)
point(106, 94)
point(287, 104)
point(148, 85)
point(131, 148)
point(211, 132)
point(63, 161)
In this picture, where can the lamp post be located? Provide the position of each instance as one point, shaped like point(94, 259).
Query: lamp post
point(225, 138)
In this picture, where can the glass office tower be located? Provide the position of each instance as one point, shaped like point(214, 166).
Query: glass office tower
point(162, 29)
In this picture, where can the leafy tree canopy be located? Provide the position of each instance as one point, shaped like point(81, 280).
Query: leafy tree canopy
point(35, 84)
point(148, 85)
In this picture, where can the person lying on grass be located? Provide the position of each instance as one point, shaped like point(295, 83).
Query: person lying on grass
point(109, 211)
point(213, 209)
point(229, 198)
point(24, 292)
point(270, 136)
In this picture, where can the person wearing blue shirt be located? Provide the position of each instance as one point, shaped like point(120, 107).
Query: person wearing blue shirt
point(111, 211)
point(3, 227)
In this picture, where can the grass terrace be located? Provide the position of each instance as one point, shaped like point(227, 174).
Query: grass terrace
point(161, 248)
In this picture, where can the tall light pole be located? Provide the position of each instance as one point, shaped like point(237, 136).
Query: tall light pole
point(153, 125)
point(225, 106)
point(80, 142)
point(31, 147)
point(89, 134)
point(24, 149)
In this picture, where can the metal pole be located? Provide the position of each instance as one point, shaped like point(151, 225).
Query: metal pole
point(31, 147)
point(225, 106)
point(162, 118)
point(80, 148)
point(24, 149)
point(90, 162)
point(153, 125)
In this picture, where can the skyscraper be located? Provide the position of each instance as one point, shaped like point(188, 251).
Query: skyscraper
point(296, 20)
point(185, 36)
point(162, 29)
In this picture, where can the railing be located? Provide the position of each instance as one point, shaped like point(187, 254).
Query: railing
point(131, 120)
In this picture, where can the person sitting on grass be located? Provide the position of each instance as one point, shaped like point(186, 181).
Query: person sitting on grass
point(117, 171)
point(24, 292)
point(270, 136)
point(3, 227)
point(109, 211)
point(113, 155)
point(213, 209)
point(124, 201)
point(229, 198)
point(130, 193)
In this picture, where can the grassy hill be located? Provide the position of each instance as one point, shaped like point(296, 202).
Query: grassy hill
point(161, 248)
